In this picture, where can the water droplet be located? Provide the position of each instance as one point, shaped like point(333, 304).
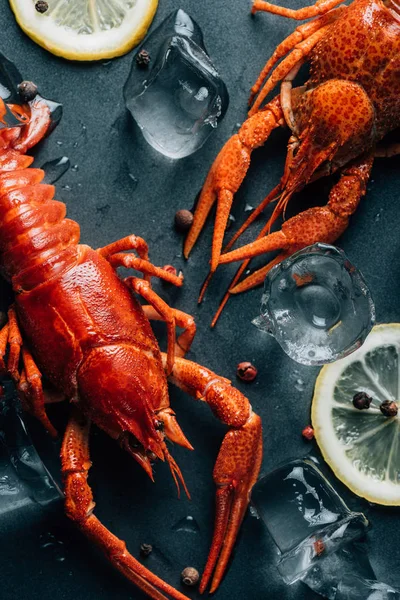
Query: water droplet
point(103, 210)
point(51, 545)
point(236, 127)
point(248, 208)
point(67, 188)
point(134, 180)
point(188, 524)
point(82, 135)
point(378, 216)
point(299, 385)
point(231, 220)
point(54, 169)
point(75, 168)
point(59, 143)
point(253, 512)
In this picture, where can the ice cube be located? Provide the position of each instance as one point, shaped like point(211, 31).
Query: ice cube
point(179, 102)
point(10, 78)
point(317, 305)
point(305, 516)
point(324, 576)
point(20, 464)
point(356, 588)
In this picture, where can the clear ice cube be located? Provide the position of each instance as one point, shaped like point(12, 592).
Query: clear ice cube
point(305, 516)
point(356, 588)
point(325, 575)
point(181, 99)
point(317, 305)
point(23, 476)
point(10, 78)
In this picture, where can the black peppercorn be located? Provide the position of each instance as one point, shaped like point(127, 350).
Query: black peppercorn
point(183, 220)
point(389, 408)
point(361, 400)
point(190, 576)
point(146, 549)
point(143, 59)
point(27, 90)
point(41, 6)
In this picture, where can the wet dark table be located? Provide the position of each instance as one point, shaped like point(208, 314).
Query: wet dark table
point(97, 136)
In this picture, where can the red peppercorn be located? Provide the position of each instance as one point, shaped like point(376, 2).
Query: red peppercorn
point(246, 371)
point(389, 408)
point(308, 432)
point(170, 269)
point(143, 59)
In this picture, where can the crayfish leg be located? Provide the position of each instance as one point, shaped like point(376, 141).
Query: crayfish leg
point(29, 379)
point(181, 319)
point(238, 462)
point(318, 224)
point(321, 7)
point(227, 173)
point(79, 507)
point(115, 254)
point(291, 63)
point(300, 34)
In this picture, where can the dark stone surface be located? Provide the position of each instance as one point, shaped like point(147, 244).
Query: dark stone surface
point(97, 135)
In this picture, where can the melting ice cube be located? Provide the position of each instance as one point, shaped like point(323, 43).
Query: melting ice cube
point(355, 588)
point(179, 102)
point(23, 476)
point(306, 518)
point(10, 78)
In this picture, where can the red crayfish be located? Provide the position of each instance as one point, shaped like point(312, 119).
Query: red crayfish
point(337, 120)
point(77, 324)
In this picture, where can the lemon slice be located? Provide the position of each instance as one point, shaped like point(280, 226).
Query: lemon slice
point(362, 447)
point(86, 29)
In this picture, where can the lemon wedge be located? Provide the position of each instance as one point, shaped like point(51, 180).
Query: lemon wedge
point(362, 447)
point(86, 29)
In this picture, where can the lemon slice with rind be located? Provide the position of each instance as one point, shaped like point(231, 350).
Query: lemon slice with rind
point(362, 447)
point(86, 29)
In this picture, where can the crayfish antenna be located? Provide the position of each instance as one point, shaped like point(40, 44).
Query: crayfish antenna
point(204, 287)
point(271, 197)
point(175, 471)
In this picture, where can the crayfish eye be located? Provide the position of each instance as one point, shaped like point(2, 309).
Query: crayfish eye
point(134, 442)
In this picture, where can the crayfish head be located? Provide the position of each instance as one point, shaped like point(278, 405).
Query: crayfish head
point(121, 388)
